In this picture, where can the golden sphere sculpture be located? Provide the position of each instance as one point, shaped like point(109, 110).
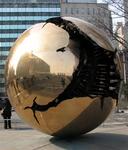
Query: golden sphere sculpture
point(61, 76)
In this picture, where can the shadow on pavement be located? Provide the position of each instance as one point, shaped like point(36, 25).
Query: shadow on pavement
point(94, 141)
point(22, 128)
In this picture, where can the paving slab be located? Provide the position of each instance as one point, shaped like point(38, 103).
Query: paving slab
point(102, 138)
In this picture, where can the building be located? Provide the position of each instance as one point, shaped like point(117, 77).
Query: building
point(33, 66)
point(119, 43)
point(89, 10)
point(80, 1)
point(126, 20)
point(123, 56)
point(126, 11)
point(15, 17)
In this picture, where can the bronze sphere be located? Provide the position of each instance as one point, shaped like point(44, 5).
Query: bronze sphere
point(61, 76)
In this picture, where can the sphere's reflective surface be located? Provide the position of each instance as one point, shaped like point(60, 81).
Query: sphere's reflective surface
point(58, 77)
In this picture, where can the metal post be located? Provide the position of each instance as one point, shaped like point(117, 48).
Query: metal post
point(124, 68)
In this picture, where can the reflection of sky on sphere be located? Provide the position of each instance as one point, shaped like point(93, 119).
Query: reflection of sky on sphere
point(51, 38)
point(43, 41)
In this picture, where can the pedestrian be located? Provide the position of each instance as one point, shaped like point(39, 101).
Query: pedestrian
point(6, 112)
point(0, 103)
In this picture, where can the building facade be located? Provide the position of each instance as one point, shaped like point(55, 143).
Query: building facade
point(126, 11)
point(126, 21)
point(15, 17)
point(80, 1)
point(125, 53)
point(119, 43)
point(91, 11)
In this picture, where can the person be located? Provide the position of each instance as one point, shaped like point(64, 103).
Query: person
point(6, 113)
point(0, 103)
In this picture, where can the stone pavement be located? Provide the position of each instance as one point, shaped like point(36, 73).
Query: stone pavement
point(108, 136)
point(102, 138)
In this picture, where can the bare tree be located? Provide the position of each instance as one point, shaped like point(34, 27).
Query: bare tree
point(117, 7)
point(119, 10)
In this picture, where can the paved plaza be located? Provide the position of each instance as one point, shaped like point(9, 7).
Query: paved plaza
point(111, 135)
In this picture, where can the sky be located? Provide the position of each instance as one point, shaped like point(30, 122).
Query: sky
point(99, 1)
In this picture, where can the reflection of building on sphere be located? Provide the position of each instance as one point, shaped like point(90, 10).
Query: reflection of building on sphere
point(61, 76)
point(33, 65)
point(37, 71)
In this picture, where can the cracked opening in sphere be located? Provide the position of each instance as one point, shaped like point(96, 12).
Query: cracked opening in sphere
point(95, 74)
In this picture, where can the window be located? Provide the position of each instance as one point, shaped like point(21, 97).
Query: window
point(2, 71)
point(88, 11)
point(4, 53)
point(66, 10)
point(71, 10)
point(82, 11)
point(99, 11)
point(77, 10)
point(2, 90)
point(1, 66)
point(2, 80)
point(93, 11)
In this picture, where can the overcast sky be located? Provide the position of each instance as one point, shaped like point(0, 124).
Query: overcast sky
point(99, 1)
